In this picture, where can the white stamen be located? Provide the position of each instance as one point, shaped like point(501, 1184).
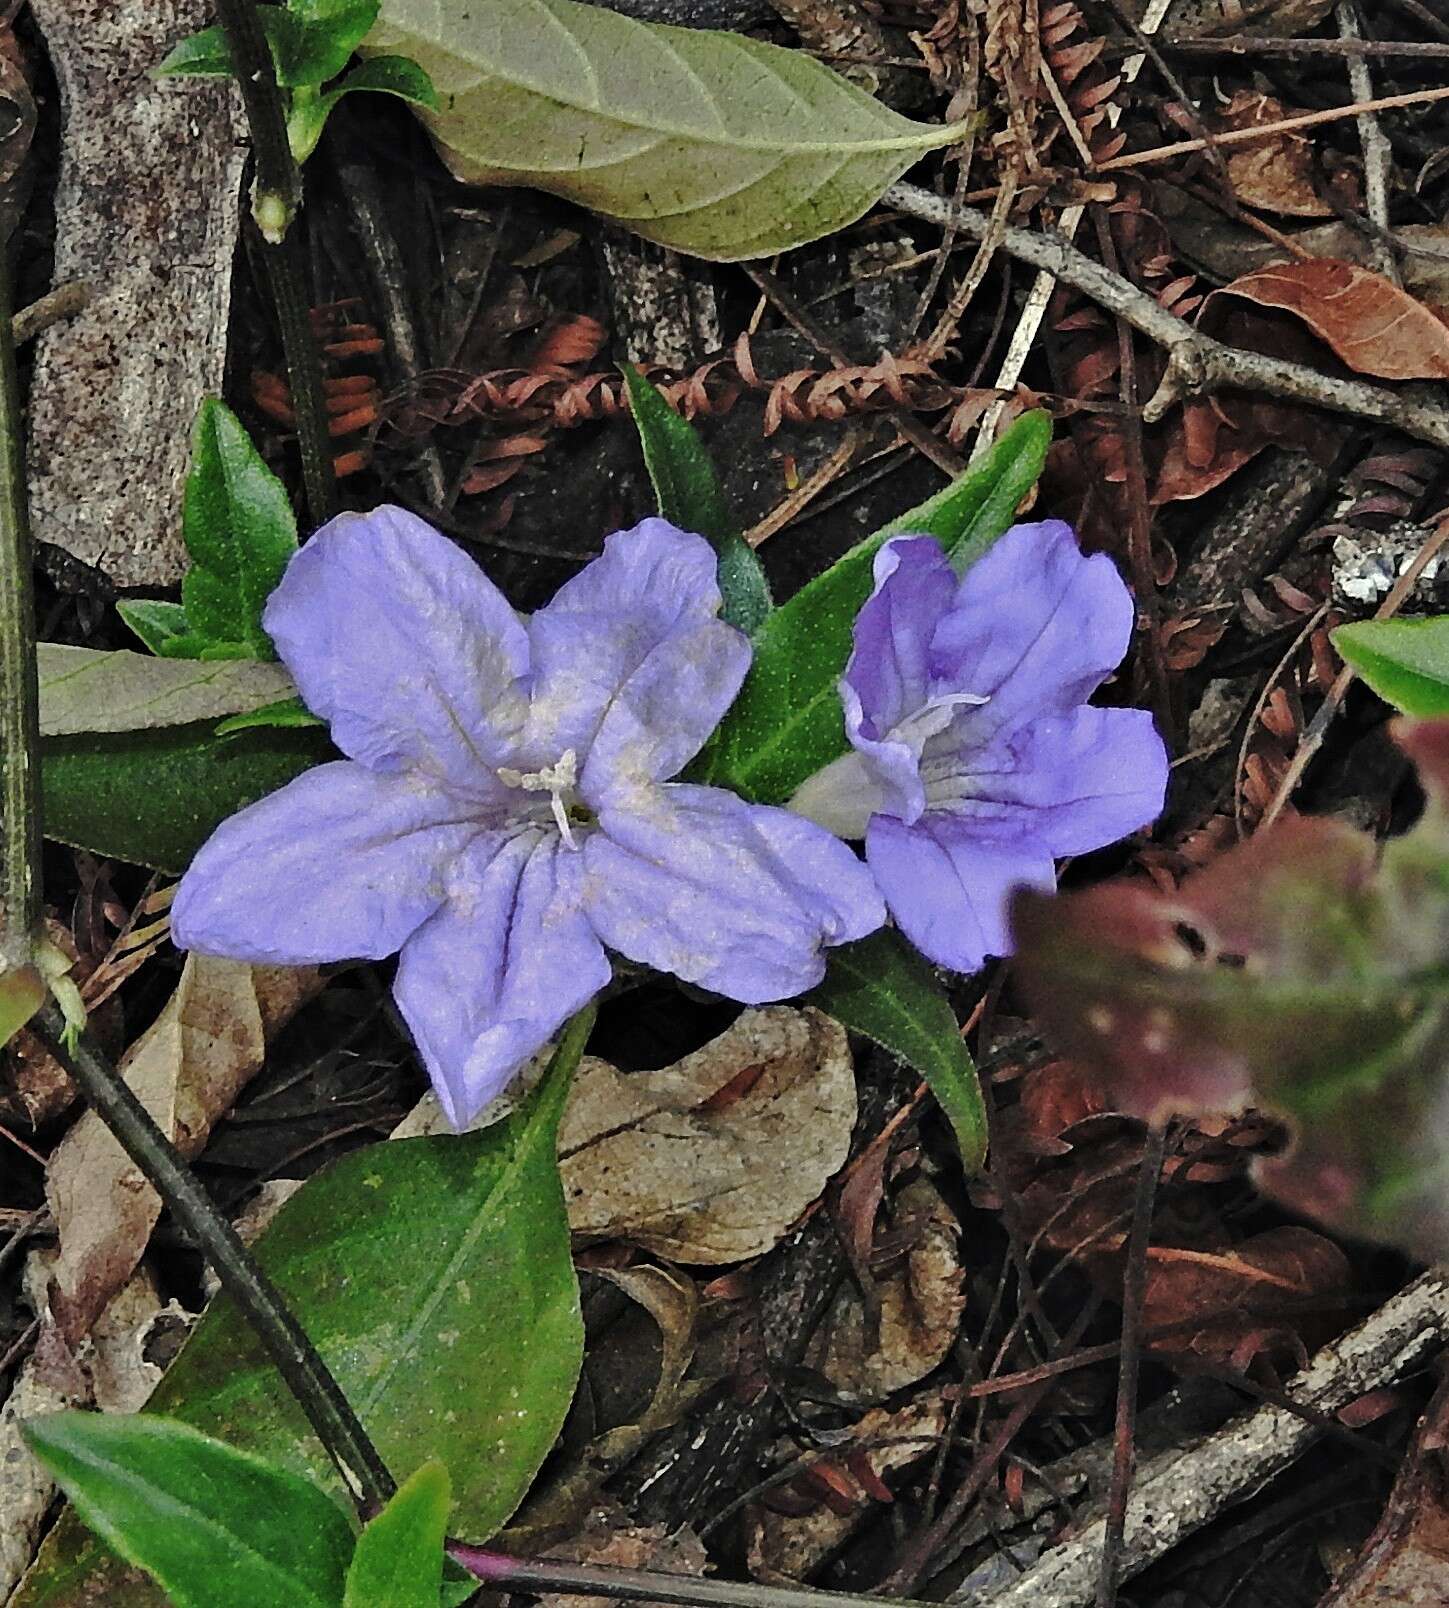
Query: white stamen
point(558, 780)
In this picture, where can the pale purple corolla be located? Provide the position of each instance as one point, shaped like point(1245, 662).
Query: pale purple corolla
point(976, 760)
point(505, 811)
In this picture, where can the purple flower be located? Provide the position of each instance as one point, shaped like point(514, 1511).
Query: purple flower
point(502, 814)
point(977, 759)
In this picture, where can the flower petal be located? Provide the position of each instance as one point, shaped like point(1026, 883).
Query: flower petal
point(888, 678)
point(1035, 625)
point(842, 796)
point(890, 667)
point(648, 584)
point(1064, 784)
point(341, 863)
point(737, 897)
point(949, 893)
point(403, 646)
point(659, 719)
point(505, 962)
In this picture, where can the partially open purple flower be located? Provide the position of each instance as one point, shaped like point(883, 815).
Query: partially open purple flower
point(977, 759)
point(502, 813)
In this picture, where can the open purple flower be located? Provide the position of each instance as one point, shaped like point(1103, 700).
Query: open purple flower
point(977, 761)
point(503, 812)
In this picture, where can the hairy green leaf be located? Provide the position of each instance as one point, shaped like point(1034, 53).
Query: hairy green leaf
point(880, 987)
point(787, 721)
point(86, 689)
point(154, 797)
point(1405, 661)
point(1303, 971)
point(157, 624)
point(213, 1525)
point(208, 55)
point(239, 531)
point(399, 1557)
point(331, 31)
point(435, 1278)
point(689, 495)
point(713, 143)
point(384, 75)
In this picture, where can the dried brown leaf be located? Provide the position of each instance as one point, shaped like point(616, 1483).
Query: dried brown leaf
point(644, 1156)
point(921, 1301)
point(1275, 174)
point(1370, 323)
point(187, 1069)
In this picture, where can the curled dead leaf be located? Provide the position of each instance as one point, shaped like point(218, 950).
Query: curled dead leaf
point(920, 1302)
point(187, 1069)
point(1370, 323)
point(1275, 173)
point(653, 1157)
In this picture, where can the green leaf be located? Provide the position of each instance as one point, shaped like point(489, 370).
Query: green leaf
point(435, 1278)
point(385, 75)
point(399, 1557)
point(1305, 971)
point(286, 712)
point(154, 797)
point(239, 530)
point(331, 31)
point(22, 993)
point(713, 143)
point(208, 55)
point(787, 721)
point(213, 1525)
point(86, 689)
point(880, 987)
point(689, 495)
point(1405, 661)
point(155, 623)
point(205, 54)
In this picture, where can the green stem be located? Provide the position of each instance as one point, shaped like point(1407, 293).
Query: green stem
point(19, 691)
point(306, 1375)
point(276, 196)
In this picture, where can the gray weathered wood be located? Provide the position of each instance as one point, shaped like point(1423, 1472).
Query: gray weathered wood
point(146, 211)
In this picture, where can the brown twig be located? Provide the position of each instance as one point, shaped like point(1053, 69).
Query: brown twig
point(1197, 365)
point(1240, 136)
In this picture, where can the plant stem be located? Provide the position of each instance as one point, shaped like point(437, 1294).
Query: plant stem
point(276, 196)
point(499, 1569)
point(307, 1376)
point(19, 691)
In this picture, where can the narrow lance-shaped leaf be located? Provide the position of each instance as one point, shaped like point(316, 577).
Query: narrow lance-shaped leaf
point(87, 689)
point(435, 1278)
point(689, 495)
point(787, 721)
point(212, 1524)
point(1302, 971)
point(154, 797)
point(713, 143)
point(881, 988)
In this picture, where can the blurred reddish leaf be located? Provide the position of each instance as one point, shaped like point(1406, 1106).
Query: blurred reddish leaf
point(1370, 323)
point(1302, 971)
